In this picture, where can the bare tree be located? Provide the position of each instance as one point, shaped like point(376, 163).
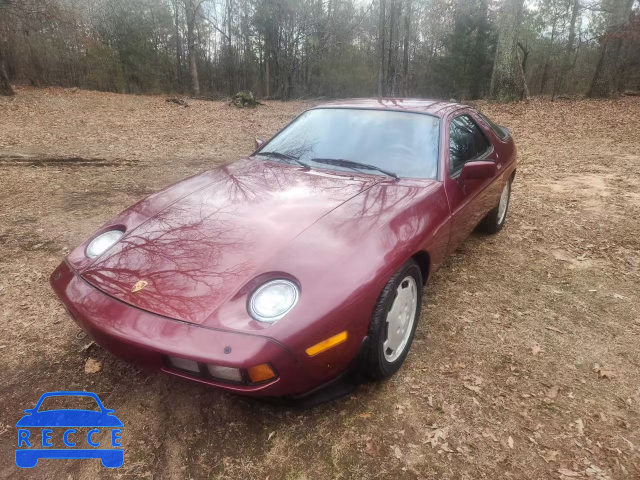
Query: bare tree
point(405, 49)
point(5, 85)
point(178, 44)
point(332, 48)
point(191, 8)
point(567, 63)
point(381, 27)
point(604, 84)
point(545, 69)
point(506, 80)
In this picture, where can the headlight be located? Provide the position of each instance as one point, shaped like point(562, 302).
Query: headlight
point(103, 242)
point(273, 300)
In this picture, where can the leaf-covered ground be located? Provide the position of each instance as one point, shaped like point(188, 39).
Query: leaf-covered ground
point(527, 357)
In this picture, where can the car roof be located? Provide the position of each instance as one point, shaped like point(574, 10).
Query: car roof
point(438, 108)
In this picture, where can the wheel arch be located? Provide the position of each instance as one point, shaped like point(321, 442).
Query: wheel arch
point(423, 259)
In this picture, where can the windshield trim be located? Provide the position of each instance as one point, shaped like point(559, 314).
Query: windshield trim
point(438, 176)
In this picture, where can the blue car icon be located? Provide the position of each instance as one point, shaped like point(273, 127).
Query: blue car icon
point(65, 422)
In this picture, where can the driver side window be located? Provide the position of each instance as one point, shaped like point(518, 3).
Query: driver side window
point(466, 142)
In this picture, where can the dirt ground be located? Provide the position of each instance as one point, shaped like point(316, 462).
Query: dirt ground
point(526, 362)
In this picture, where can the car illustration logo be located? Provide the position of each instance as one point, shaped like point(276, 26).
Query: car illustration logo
point(140, 284)
point(69, 433)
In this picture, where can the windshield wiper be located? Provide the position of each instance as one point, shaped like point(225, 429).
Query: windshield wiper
point(340, 162)
point(285, 156)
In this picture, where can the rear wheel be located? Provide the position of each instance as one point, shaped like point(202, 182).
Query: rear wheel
point(394, 321)
point(494, 221)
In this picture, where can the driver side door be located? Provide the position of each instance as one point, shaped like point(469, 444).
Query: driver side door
point(469, 200)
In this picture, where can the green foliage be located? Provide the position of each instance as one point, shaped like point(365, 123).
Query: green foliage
point(464, 71)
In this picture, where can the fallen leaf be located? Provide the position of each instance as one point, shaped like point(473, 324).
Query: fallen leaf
point(604, 373)
point(87, 347)
point(371, 449)
point(474, 379)
point(397, 452)
point(553, 329)
point(510, 441)
point(568, 473)
point(552, 392)
point(595, 470)
point(92, 366)
point(488, 434)
point(580, 426)
point(550, 456)
point(270, 436)
point(365, 415)
point(436, 435)
point(473, 388)
point(445, 447)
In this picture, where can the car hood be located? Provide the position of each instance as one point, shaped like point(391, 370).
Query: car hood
point(203, 248)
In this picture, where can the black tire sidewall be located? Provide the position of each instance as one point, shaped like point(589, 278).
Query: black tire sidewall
point(378, 366)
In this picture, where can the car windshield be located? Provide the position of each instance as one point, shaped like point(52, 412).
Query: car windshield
point(403, 143)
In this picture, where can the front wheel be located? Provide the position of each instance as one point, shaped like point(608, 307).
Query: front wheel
point(394, 321)
point(494, 221)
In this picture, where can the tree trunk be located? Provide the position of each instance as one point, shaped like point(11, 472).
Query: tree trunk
point(178, 47)
point(5, 85)
point(391, 71)
point(525, 57)
point(405, 49)
point(267, 78)
point(545, 70)
point(191, 10)
point(230, 56)
point(523, 78)
point(381, 25)
point(604, 83)
point(568, 53)
point(506, 83)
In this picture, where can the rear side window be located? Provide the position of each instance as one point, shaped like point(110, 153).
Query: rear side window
point(466, 142)
point(501, 132)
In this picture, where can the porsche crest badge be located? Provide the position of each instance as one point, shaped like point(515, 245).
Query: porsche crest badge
point(140, 284)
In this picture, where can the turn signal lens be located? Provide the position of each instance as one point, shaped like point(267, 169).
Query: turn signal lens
point(261, 373)
point(327, 344)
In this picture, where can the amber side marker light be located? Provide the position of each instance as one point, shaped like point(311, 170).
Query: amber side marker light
point(261, 373)
point(325, 345)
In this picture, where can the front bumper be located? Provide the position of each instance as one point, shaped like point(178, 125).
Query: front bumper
point(147, 339)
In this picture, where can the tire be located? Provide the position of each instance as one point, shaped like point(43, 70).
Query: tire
point(495, 219)
point(383, 362)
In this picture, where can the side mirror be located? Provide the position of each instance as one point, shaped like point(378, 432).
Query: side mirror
point(259, 143)
point(478, 170)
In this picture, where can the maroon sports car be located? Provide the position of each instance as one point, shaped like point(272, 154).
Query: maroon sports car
point(279, 274)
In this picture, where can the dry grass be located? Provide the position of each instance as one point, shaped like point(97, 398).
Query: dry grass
point(502, 381)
